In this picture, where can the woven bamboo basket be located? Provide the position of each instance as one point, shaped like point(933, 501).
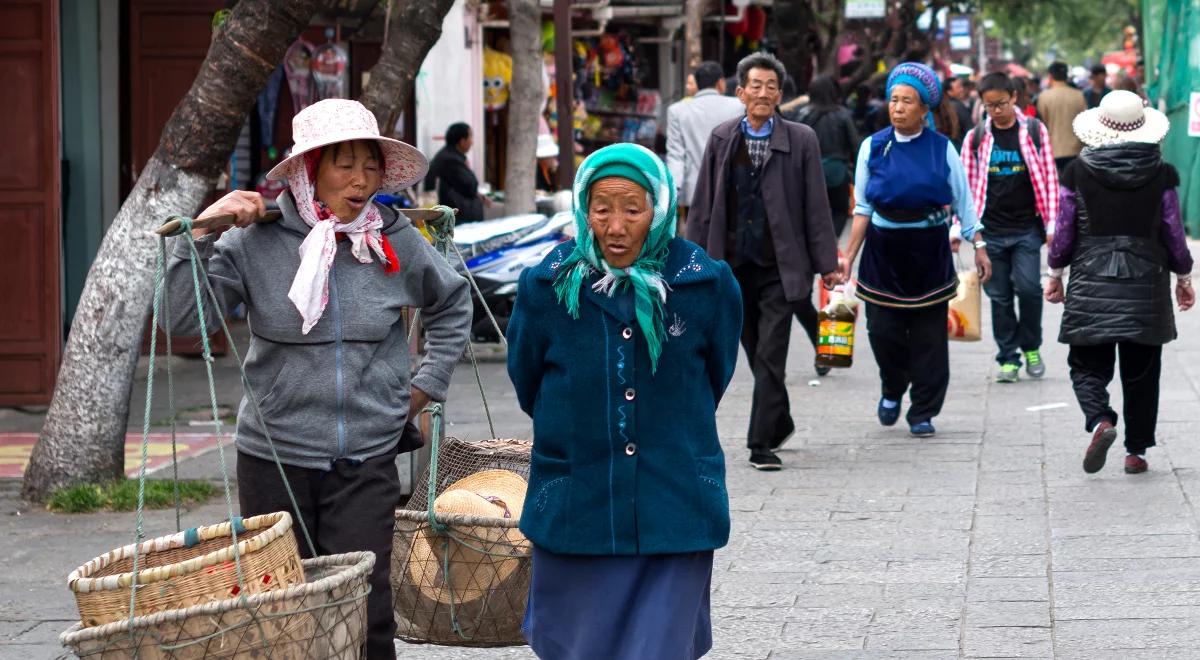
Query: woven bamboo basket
point(188, 568)
point(467, 586)
point(324, 618)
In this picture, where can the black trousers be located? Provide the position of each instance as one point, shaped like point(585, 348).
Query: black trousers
point(766, 333)
point(806, 314)
point(348, 508)
point(1141, 366)
point(911, 347)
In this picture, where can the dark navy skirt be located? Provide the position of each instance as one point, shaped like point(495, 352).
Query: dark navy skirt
point(619, 608)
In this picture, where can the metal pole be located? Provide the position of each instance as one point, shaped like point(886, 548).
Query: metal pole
point(565, 89)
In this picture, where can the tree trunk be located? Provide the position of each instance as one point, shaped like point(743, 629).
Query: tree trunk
point(524, 105)
point(692, 31)
point(412, 31)
point(84, 434)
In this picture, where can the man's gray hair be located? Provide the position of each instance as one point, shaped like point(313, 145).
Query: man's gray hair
point(760, 61)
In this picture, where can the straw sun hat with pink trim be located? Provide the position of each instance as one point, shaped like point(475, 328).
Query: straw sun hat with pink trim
point(339, 120)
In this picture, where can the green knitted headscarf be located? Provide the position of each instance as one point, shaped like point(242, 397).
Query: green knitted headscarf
point(640, 165)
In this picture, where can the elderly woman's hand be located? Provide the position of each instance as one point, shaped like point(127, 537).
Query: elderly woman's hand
point(1185, 295)
point(1054, 290)
point(244, 205)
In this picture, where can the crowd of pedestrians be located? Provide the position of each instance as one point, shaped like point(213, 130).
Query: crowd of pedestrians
point(921, 162)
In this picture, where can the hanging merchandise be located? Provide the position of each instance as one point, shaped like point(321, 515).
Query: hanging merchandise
point(737, 29)
point(268, 102)
point(299, 74)
point(497, 74)
point(329, 66)
point(756, 25)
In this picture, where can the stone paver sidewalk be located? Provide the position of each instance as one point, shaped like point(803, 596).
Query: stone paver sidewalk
point(986, 541)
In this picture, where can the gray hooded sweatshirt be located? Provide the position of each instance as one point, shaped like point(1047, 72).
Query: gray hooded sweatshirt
point(342, 390)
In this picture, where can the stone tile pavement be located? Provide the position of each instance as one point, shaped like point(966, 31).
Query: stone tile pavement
point(987, 541)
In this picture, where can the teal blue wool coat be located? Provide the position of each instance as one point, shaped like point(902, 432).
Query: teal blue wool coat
point(626, 462)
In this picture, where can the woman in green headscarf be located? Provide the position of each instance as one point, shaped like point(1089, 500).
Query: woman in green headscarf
point(620, 347)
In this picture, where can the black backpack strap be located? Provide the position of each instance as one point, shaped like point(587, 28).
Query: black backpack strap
point(976, 139)
point(1035, 133)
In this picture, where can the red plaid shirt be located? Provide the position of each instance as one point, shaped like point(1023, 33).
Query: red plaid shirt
point(1042, 171)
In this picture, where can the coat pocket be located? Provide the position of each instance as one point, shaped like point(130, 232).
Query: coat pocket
point(714, 499)
point(547, 507)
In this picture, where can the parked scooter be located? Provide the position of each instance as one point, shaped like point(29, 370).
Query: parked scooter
point(496, 272)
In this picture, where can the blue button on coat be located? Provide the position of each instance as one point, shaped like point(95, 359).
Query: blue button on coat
point(626, 462)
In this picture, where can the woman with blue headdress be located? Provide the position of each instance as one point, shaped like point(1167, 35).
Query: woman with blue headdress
point(621, 344)
point(910, 182)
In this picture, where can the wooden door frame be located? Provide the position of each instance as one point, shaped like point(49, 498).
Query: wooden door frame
point(46, 348)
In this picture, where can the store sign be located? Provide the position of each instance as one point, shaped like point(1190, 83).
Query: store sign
point(866, 8)
point(960, 33)
point(1194, 115)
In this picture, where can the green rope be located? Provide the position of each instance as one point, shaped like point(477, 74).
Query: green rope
point(442, 231)
point(258, 413)
point(237, 357)
point(138, 534)
point(166, 304)
point(435, 410)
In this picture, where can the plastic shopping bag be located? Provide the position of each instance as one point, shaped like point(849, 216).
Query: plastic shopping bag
point(963, 319)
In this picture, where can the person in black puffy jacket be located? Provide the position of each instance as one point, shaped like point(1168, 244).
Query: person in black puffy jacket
point(1120, 230)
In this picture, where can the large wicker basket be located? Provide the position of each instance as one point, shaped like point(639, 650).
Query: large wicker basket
point(321, 619)
point(489, 555)
point(188, 568)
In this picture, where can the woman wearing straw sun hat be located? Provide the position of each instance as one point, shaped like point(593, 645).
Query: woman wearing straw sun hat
point(1120, 230)
point(328, 360)
point(621, 345)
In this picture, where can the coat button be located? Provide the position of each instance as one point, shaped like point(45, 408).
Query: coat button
point(630, 394)
point(627, 333)
point(630, 449)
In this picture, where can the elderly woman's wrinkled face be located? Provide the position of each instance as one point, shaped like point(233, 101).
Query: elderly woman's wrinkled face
point(347, 175)
point(619, 213)
point(906, 110)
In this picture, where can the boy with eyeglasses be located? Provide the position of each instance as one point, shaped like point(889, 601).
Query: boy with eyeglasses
point(1011, 173)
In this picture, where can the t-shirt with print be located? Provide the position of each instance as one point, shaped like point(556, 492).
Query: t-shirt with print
point(1010, 207)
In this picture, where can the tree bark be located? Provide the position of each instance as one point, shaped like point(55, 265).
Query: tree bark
point(412, 31)
point(83, 439)
point(692, 31)
point(524, 105)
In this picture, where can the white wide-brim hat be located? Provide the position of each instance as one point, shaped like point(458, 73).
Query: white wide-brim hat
point(340, 120)
point(1122, 117)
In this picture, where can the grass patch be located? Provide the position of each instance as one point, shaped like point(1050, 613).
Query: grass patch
point(122, 496)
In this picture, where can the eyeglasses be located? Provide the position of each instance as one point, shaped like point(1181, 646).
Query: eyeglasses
point(996, 107)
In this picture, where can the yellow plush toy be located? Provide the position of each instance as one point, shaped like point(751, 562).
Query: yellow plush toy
point(497, 74)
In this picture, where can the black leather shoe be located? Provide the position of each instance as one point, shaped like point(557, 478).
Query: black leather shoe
point(765, 460)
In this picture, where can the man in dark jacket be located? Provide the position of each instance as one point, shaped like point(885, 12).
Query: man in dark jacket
point(760, 204)
point(457, 186)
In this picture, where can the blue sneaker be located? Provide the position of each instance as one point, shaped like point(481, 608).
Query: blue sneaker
point(922, 429)
point(889, 412)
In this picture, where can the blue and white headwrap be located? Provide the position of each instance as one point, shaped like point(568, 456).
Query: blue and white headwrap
point(921, 78)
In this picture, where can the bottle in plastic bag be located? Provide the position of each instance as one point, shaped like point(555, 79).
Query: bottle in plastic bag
point(835, 341)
